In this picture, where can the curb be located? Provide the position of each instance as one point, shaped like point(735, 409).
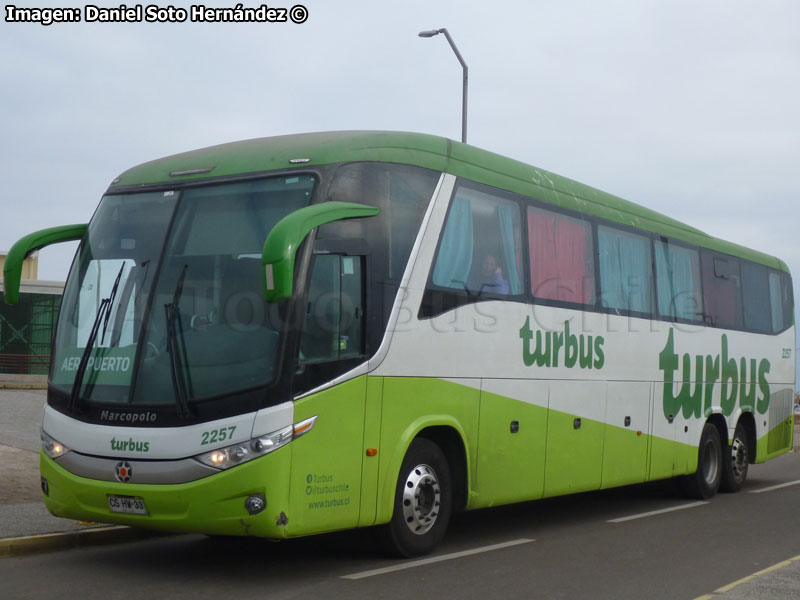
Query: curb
point(31, 544)
point(23, 386)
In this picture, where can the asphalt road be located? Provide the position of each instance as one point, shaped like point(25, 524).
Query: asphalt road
point(20, 419)
point(597, 545)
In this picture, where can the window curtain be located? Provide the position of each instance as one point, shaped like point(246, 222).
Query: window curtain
point(684, 288)
point(560, 258)
point(775, 301)
point(572, 257)
point(678, 281)
point(624, 270)
point(542, 244)
point(506, 214)
point(455, 253)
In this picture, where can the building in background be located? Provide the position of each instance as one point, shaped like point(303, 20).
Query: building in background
point(27, 328)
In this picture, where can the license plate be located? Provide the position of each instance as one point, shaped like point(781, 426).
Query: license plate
point(130, 505)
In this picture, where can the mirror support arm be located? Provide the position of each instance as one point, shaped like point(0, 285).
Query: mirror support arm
point(285, 238)
point(12, 271)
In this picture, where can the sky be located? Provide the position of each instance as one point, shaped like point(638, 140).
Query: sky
point(689, 108)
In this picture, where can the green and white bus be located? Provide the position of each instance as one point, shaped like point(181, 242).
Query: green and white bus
point(300, 334)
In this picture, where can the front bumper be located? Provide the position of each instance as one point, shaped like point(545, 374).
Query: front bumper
point(212, 505)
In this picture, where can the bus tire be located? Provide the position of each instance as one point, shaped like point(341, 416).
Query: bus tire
point(735, 460)
point(704, 483)
point(423, 502)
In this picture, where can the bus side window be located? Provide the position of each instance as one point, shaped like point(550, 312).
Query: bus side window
point(561, 257)
point(678, 281)
point(722, 293)
point(334, 322)
point(626, 271)
point(780, 299)
point(480, 253)
point(756, 303)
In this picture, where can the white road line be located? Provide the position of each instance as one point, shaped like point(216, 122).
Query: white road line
point(775, 487)
point(434, 559)
point(655, 512)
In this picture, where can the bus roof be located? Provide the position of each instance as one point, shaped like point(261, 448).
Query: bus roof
point(441, 154)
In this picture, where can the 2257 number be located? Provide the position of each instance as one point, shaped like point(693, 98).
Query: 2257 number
point(217, 435)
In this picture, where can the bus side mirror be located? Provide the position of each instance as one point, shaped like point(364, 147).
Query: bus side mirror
point(12, 271)
point(285, 238)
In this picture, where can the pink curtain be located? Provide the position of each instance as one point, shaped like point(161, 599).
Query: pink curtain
point(541, 242)
point(560, 258)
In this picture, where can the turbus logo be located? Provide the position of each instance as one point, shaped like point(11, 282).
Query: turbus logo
point(123, 472)
point(737, 381)
point(585, 351)
point(130, 445)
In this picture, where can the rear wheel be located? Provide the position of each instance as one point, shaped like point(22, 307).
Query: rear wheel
point(422, 504)
point(705, 481)
point(735, 460)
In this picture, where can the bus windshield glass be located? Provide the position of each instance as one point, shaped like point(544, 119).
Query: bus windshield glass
point(166, 293)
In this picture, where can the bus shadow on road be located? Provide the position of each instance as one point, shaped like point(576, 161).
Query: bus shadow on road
point(536, 517)
point(225, 557)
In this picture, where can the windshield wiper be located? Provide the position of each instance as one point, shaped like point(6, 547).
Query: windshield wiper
point(135, 280)
point(178, 370)
point(110, 299)
point(104, 310)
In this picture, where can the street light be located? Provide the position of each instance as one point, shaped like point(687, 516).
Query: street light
point(433, 32)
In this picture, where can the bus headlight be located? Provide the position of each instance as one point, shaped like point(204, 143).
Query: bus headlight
point(51, 447)
point(236, 454)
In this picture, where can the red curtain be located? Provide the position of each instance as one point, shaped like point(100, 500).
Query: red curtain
point(560, 257)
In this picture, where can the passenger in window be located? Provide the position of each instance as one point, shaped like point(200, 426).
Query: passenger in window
point(488, 278)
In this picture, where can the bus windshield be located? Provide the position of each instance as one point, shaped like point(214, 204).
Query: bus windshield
point(166, 294)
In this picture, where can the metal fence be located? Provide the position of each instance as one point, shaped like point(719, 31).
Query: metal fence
point(26, 333)
point(31, 364)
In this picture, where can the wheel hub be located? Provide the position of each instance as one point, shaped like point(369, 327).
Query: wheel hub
point(710, 463)
point(421, 499)
point(738, 458)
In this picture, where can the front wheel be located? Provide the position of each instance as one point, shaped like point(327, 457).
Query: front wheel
point(422, 503)
point(734, 462)
point(705, 481)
